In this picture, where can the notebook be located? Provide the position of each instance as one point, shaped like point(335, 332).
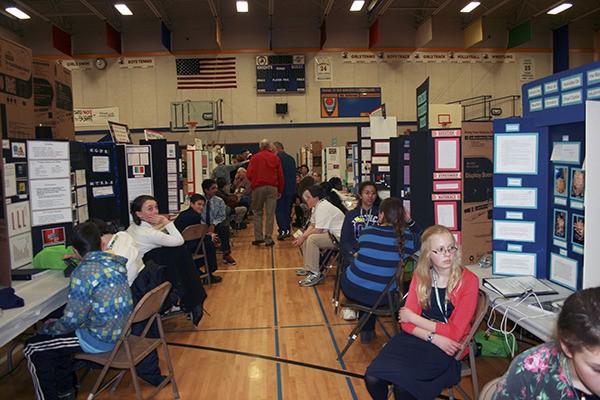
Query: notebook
point(27, 274)
point(515, 286)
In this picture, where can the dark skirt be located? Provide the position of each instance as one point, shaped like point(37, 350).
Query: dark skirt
point(419, 367)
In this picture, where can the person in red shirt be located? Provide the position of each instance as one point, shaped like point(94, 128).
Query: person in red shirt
point(266, 175)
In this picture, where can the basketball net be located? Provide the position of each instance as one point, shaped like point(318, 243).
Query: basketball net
point(191, 126)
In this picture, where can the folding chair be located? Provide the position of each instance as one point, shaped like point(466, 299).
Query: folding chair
point(198, 232)
point(389, 310)
point(329, 257)
point(130, 349)
point(468, 366)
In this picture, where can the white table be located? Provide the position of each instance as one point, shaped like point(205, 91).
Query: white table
point(42, 296)
point(540, 324)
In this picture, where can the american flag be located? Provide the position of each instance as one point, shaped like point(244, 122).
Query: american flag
point(206, 73)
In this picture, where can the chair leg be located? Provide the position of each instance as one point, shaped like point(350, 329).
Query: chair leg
point(335, 299)
point(118, 380)
point(169, 363)
point(451, 393)
point(354, 334)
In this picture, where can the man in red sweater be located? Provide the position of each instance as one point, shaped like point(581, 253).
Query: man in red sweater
point(266, 175)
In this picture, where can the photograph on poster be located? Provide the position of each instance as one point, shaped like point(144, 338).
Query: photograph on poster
point(578, 233)
point(22, 188)
point(53, 236)
point(560, 180)
point(21, 170)
point(577, 183)
point(18, 150)
point(560, 224)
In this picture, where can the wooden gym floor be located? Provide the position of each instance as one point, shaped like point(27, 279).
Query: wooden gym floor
point(266, 338)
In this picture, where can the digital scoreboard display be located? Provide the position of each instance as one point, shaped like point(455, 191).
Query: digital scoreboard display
point(277, 74)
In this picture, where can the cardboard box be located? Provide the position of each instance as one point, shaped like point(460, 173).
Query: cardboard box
point(16, 90)
point(54, 98)
point(478, 168)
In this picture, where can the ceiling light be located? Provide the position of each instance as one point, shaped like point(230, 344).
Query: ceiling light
point(561, 8)
point(17, 13)
point(241, 6)
point(470, 7)
point(357, 5)
point(123, 9)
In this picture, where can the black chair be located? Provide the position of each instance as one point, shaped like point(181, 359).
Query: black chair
point(395, 301)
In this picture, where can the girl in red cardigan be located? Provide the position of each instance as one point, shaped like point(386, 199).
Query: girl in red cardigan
point(441, 302)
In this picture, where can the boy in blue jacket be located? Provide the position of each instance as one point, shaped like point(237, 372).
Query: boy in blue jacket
point(98, 306)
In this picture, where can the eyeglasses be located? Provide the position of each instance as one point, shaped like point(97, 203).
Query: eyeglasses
point(442, 251)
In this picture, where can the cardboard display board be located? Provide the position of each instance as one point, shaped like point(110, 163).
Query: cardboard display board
point(16, 98)
point(477, 160)
point(53, 98)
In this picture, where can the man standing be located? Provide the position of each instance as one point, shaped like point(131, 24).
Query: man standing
point(98, 306)
point(325, 218)
point(284, 203)
point(214, 216)
point(266, 176)
point(224, 171)
point(193, 216)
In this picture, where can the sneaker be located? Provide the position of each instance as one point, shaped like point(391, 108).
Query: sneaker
point(302, 272)
point(269, 242)
point(257, 242)
point(367, 337)
point(281, 236)
point(348, 314)
point(288, 234)
point(312, 280)
point(228, 260)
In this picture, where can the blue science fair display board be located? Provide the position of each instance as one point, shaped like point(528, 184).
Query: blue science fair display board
point(551, 229)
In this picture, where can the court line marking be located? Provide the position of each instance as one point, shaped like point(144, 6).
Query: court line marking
point(269, 358)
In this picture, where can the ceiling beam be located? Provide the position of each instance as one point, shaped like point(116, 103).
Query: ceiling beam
point(159, 13)
point(326, 10)
point(215, 11)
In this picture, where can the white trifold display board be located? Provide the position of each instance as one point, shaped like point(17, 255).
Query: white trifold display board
point(199, 165)
point(333, 163)
point(591, 252)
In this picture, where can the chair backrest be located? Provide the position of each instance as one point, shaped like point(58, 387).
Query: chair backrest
point(480, 310)
point(151, 303)
point(488, 391)
point(194, 232)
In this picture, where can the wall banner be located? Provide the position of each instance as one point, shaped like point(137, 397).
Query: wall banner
point(95, 117)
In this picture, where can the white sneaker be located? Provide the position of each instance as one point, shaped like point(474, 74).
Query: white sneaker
point(311, 280)
point(302, 272)
point(348, 314)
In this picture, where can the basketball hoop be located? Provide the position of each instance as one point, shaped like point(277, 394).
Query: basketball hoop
point(444, 120)
point(191, 125)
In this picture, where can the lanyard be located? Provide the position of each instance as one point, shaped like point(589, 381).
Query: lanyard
point(112, 242)
point(437, 298)
point(366, 214)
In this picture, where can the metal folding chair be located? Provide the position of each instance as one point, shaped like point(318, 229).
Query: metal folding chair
point(468, 366)
point(130, 349)
point(395, 300)
point(198, 232)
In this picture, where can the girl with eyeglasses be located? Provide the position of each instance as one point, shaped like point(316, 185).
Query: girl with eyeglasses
point(441, 302)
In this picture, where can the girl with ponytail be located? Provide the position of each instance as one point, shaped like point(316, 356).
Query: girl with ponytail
point(380, 248)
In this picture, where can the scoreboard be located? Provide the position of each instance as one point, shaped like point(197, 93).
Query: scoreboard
point(276, 74)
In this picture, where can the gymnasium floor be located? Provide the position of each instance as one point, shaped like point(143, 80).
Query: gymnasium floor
point(266, 338)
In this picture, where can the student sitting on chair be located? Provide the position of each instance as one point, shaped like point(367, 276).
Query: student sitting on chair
point(98, 307)
point(234, 211)
point(325, 218)
point(566, 368)
point(167, 248)
point(441, 302)
point(213, 215)
point(380, 248)
point(193, 216)
point(365, 214)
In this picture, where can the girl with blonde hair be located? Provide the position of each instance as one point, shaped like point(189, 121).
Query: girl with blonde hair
point(441, 302)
